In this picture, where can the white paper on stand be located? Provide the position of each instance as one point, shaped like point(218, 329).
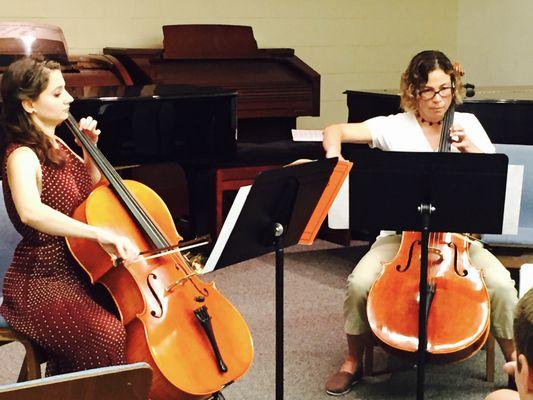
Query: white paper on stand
point(339, 212)
point(227, 228)
point(307, 135)
point(526, 279)
point(513, 196)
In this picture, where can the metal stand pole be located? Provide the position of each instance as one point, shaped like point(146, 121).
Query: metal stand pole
point(425, 211)
point(278, 232)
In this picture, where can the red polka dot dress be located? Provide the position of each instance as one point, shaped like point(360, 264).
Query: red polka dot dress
point(47, 296)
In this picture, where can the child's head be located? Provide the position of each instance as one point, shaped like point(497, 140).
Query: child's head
point(523, 336)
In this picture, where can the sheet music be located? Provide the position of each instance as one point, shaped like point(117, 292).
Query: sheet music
point(513, 196)
point(526, 279)
point(227, 228)
point(339, 212)
point(307, 135)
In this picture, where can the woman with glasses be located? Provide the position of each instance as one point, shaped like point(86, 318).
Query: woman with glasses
point(428, 87)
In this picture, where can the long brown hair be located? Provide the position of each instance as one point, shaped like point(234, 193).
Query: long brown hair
point(416, 76)
point(26, 79)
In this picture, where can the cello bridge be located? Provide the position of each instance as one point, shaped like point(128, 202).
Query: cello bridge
point(180, 282)
point(437, 253)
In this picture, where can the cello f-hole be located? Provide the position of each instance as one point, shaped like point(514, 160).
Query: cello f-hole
point(454, 247)
point(154, 313)
point(399, 267)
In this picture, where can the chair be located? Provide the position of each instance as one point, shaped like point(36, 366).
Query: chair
point(227, 179)
point(120, 382)
point(490, 357)
point(10, 237)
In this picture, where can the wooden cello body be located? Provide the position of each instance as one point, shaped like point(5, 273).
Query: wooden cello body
point(194, 338)
point(459, 311)
point(458, 306)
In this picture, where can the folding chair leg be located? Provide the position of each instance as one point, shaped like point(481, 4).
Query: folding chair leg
point(31, 368)
point(490, 358)
point(369, 359)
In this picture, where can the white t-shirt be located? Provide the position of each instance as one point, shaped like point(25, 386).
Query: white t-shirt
point(402, 132)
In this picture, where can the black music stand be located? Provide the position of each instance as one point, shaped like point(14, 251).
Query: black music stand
point(427, 192)
point(273, 217)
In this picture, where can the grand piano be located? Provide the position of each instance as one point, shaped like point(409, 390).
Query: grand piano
point(506, 113)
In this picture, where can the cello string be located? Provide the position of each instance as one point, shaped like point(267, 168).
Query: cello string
point(444, 146)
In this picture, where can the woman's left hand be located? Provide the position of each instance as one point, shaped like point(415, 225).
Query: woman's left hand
point(461, 141)
point(88, 126)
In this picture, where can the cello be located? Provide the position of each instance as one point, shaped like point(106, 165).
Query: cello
point(458, 307)
point(194, 339)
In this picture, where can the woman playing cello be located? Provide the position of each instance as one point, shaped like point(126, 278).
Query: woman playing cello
point(46, 295)
point(428, 87)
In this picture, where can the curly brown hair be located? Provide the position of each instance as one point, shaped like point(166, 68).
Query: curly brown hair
point(26, 79)
point(523, 327)
point(416, 76)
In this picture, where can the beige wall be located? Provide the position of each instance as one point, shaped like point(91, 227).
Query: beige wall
point(353, 44)
point(495, 41)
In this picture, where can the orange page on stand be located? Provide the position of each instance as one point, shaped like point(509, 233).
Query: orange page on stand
point(339, 174)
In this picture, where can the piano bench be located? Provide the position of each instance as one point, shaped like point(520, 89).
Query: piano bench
point(232, 179)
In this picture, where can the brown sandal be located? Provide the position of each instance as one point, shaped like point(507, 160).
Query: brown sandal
point(342, 382)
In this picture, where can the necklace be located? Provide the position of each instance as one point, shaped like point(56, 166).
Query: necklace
point(428, 122)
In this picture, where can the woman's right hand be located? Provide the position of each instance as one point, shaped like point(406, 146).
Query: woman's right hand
point(332, 142)
point(117, 245)
point(335, 135)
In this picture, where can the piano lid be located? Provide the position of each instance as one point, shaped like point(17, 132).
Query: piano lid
point(105, 94)
point(156, 123)
point(485, 94)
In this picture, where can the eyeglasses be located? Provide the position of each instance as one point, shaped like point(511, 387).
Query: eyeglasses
point(430, 93)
